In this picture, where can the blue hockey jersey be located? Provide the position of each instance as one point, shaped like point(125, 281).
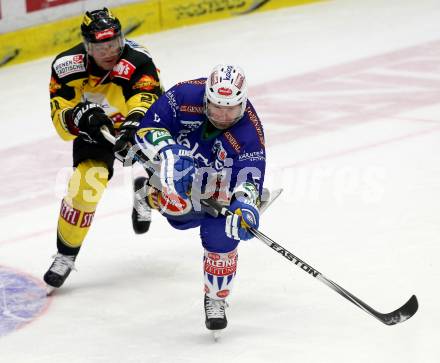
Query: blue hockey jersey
point(235, 155)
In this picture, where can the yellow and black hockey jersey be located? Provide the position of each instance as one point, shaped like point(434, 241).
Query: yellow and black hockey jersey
point(130, 88)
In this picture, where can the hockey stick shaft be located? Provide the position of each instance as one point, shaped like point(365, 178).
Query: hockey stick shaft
point(137, 155)
point(108, 136)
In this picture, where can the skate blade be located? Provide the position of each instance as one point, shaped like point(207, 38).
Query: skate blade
point(50, 290)
point(216, 334)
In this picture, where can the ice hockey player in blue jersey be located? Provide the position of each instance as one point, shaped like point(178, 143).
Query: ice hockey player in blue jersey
point(206, 140)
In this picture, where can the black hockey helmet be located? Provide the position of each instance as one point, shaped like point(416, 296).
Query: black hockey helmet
point(100, 26)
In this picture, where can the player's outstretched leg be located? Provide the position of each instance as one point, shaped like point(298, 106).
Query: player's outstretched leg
point(219, 273)
point(141, 214)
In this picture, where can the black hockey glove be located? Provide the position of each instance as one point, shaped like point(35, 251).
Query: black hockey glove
point(125, 139)
point(89, 117)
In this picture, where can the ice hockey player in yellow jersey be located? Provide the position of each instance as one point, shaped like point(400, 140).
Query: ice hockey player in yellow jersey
point(109, 81)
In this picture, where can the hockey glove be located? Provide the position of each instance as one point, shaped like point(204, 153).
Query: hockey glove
point(89, 117)
point(177, 170)
point(245, 215)
point(125, 138)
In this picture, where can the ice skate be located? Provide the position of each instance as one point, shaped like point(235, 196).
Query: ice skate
point(59, 271)
point(215, 316)
point(141, 214)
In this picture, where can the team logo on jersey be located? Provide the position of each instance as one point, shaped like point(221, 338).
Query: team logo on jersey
point(224, 91)
point(53, 85)
point(220, 154)
point(146, 83)
point(124, 69)
point(191, 125)
point(69, 64)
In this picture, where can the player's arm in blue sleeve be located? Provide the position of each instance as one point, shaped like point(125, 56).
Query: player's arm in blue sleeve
point(159, 124)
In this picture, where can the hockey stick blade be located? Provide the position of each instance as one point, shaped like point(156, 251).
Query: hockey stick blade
point(397, 316)
point(403, 313)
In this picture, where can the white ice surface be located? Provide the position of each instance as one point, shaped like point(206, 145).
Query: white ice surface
point(349, 94)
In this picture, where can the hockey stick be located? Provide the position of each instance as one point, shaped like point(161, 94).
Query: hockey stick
point(398, 316)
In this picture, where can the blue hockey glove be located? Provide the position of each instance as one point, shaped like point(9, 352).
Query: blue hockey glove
point(245, 215)
point(177, 169)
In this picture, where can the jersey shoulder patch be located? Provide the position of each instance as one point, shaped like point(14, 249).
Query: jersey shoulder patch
point(69, 64)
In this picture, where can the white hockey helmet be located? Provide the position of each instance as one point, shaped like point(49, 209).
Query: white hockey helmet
point(226, 86)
